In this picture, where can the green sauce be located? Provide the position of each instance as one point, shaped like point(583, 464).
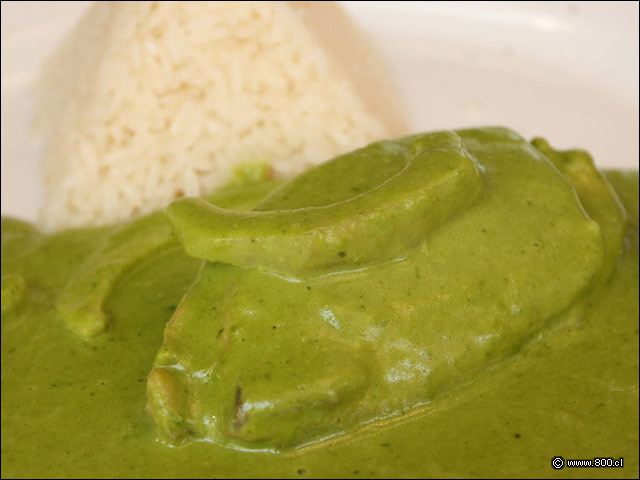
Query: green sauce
point(495, 328)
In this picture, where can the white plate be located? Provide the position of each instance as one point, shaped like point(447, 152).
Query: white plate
point(565, 70)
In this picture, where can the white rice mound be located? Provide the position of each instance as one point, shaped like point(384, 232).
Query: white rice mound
point(145, 102)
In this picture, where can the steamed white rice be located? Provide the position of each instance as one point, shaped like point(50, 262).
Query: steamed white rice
point(149, 101)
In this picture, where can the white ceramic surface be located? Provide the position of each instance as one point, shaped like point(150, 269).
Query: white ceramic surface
point(565, 70)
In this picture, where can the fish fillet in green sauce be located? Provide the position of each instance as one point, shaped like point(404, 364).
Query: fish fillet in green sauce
point(485, 322)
